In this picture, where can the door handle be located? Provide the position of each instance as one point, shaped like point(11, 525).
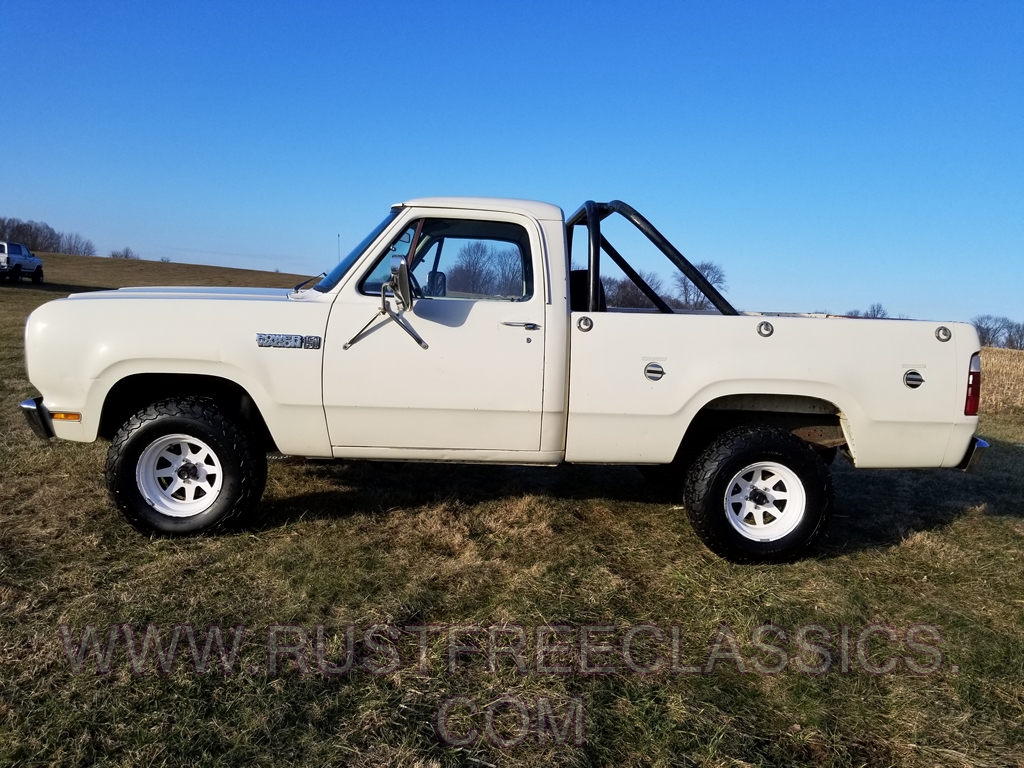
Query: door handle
point(525, 326)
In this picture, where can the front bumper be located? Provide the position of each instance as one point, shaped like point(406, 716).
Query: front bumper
point(38, 417)
point(974, 453)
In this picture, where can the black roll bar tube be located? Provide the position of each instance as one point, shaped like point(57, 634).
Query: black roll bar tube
point(673, 255)
point(589, 212)
point(633, 275)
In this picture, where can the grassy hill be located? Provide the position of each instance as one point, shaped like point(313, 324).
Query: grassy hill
point(91, 272)
point(496, 548)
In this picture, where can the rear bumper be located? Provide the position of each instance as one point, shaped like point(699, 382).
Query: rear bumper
point(974, 453)
point(38, 417)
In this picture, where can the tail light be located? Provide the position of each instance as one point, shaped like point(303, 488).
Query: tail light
point(973, 386)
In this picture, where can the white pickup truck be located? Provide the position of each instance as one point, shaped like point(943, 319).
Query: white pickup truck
point(17, 261)
point(457, 331)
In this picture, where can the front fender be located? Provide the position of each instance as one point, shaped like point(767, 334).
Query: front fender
point(77, 350)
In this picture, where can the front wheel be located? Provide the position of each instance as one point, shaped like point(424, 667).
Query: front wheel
point(37, 276)
point(181, 467)
point(758, 494)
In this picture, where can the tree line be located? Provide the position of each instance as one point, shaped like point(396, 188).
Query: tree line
point(993, 330)
point(487, 270)
point(40, 236)
point(876, 310)
point(681, 293)
point(999, 331)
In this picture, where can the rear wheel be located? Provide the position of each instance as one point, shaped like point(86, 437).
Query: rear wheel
point(758, 494)
point(181, 466)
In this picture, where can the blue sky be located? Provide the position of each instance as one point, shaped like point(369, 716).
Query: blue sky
point(827, 154)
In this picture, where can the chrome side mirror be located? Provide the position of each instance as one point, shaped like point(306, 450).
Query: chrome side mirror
point(401, 288)
point(399, 282)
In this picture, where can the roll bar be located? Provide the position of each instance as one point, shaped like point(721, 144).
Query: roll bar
point(592, 214)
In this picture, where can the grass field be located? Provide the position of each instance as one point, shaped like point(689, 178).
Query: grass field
point(412, 545)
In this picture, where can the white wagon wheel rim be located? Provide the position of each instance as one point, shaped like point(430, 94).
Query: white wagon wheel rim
point(765, 501)
point(179, 475)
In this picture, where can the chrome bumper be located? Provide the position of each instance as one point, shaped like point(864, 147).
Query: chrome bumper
point(38, 417)
point(973, 455)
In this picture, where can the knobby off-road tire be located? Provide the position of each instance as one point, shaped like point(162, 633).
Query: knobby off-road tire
point(180, 466)
point(758, 494)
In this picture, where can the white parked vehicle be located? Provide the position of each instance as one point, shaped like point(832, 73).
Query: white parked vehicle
point(457, 332)
point(17, 261)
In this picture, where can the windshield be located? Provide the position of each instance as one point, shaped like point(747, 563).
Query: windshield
point(346, 263)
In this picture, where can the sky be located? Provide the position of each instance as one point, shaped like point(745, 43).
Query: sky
point(828, 155)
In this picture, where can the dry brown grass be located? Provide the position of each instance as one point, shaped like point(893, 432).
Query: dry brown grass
point(68, 273)
point(1002, 384)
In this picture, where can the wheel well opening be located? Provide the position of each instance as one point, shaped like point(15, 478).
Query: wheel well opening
point(133, 393)
point(817, 422)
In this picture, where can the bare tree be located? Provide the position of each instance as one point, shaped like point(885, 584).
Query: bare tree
point(40, 236)
point(991, 329)
point(1013, 335)
point(689, 296)
point(76, 245)
point(126, 253)
point(876, 310)
point(47, 238)
point(165, 259)
point(508, 272)
point(36, 236)
point(625, 293)
point(472, 272)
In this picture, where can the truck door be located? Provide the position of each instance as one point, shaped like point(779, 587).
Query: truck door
point(479, 307)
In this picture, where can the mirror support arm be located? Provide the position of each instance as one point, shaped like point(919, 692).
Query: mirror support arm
point(385, 309)
point(403, 325)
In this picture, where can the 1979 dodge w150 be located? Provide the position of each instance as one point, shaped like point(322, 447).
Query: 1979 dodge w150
point(457, 331)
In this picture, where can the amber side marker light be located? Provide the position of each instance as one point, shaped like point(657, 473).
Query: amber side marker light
point(65, 416)
point(973, 387)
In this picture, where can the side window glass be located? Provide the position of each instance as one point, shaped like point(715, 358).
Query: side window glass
point(462, 259)
point(382, 270)
point(475, 268)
